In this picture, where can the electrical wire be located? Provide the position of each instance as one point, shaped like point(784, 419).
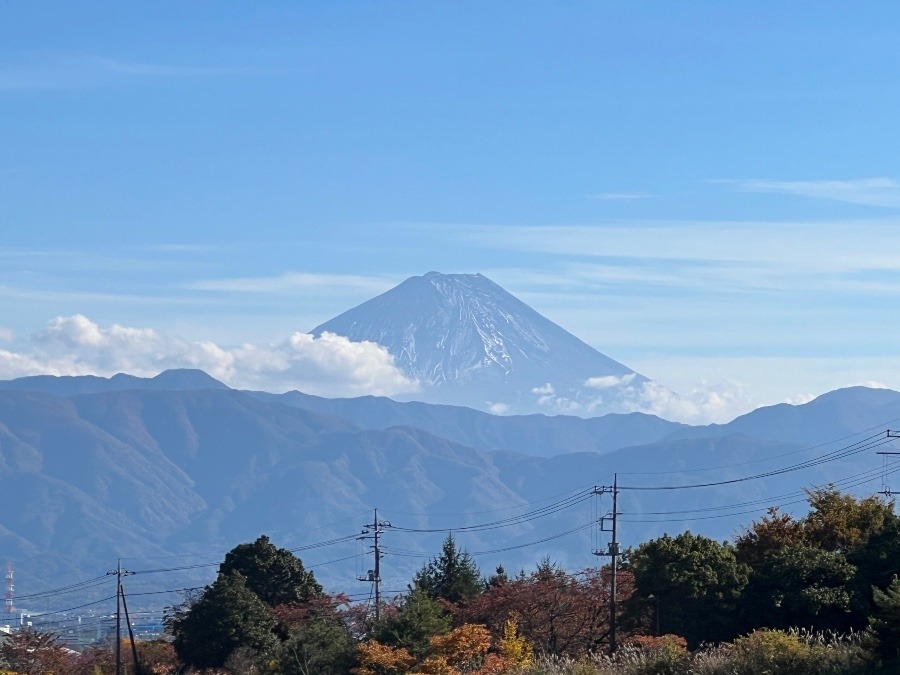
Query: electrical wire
point(556, 507)
point(809, 448)
point(71, 588)
point(842, 453)
point(307, 547)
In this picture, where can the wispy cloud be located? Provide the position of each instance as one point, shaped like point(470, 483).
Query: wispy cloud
point(866, 191)
point(167, 70)
point(296, 281)
point(690, 247)
point(73, 71)
point(620, 196)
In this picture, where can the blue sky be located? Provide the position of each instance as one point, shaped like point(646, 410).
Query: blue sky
point(707, 192)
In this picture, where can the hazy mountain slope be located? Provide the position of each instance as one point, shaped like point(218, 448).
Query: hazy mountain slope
point(529, 434)
point(136, 468)
point(469, 342)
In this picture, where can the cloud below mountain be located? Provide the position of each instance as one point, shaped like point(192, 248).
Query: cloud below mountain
point(328, 365)
point(706, 402)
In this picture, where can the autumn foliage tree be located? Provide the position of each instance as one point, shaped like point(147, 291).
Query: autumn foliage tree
point(32, 652)
point(767, 536)
point(380, 659)
point(516, 650)
point(559, 613)
point(461, 650)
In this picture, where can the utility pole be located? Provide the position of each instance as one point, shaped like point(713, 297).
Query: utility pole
point(373, 531)
point(885, 490)
point(119, 572)
point(134, 654)
point(613, 552)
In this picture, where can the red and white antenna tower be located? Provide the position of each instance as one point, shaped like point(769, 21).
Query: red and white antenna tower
point(10, 589)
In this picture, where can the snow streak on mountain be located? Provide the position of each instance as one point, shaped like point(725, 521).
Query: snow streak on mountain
point(469, 342)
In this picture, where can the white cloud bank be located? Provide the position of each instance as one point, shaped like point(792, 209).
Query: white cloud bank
point(330, 365)
point(705, 403)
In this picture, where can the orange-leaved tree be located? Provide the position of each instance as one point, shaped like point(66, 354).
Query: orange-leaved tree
point(461, 650)
point(378, 659)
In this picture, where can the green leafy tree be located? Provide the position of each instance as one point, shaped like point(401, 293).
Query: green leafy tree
point(877, 562)
point(558, 613)
point(226, 616)
point(800, 587)
point(276, 575)
point(697, 582)
point(418, 619)
point(452, 576)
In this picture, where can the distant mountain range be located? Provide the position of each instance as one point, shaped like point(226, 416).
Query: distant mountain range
point(170, 472)
point(468, 342)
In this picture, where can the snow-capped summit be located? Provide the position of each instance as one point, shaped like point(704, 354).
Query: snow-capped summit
point(469, 342)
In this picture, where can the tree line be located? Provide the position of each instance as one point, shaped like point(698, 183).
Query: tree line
point(819, 587)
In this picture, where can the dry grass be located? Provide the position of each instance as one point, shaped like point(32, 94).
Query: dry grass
point(764, 652)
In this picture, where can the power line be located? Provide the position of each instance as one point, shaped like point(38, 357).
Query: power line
point(848, 482)
point(765, 459)
point(78, 586)
point(556, 507)
point(306, 547)
point(842, 453)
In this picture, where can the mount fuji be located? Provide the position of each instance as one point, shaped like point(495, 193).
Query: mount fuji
point(469, 342)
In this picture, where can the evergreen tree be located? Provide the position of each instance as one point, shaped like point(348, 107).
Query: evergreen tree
point(451, 576)
point(419, 619)
point(886, 620)
point(498, 578)
point(276, 575)
point(227, 615)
